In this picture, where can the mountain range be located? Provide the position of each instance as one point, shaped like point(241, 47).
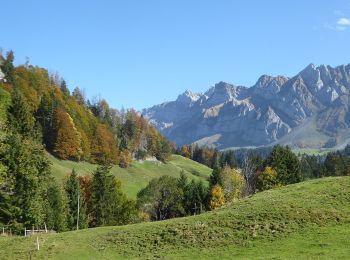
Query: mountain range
point(308, 110)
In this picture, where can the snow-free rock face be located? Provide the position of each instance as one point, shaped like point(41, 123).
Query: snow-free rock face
point(314, 104)
point(188, 97)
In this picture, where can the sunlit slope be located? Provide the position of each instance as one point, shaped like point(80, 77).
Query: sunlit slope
point(137, 176)
point(309, 220)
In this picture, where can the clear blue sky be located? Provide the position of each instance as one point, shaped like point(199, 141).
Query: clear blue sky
point(141, 53)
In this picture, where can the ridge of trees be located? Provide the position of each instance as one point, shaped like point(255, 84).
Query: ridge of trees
point(38, 113)
point(73, 127)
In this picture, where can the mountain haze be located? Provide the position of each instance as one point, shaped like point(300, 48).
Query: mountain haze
point(309, 110)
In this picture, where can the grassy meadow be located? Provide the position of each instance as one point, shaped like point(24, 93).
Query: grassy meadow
point(308, 220)
point(137, 176)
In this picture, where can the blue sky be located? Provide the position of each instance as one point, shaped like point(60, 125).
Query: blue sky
point(141, 53)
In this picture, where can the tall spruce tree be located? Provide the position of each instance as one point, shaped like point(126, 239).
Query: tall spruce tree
point(215, 176)
point(75, 199)
point(286, 164)
point(21, 118)
point(195, 197)
point(4, 196)
point(24, 167)
point(27, 170)
point(109, 204)
point(64, 88)
point(56, 207)
point(45, 116)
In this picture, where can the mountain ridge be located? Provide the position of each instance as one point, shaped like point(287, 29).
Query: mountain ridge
point(228, 115)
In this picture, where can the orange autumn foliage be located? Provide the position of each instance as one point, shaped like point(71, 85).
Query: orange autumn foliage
point(67, 143)
point(124, 158)
point(104, 147)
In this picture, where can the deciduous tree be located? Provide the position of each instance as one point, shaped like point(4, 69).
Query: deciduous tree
point(162, 198)
point(267, 179)
point(232, 183)
point(67, 138)
point(217, 197)
point(104, 147)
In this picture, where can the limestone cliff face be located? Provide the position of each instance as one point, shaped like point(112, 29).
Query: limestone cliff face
point(310, 109)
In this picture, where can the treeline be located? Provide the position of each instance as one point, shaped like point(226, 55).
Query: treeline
point(72, 127)
point(168, 197)
point(208, 156)
point(255, 171)
point(335, 163)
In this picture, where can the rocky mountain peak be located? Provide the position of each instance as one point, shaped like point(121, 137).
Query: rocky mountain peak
point(223, 92)
point(188, 97)
point(263, 81)
point(268, 86)
point(310, 72)
point(266, 80)
point(311, 76)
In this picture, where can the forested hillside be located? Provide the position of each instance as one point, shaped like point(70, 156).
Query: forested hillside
point(70, 126)
point(38, 114)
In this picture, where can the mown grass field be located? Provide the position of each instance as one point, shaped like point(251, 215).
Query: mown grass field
point(309, 220)
point(137, 176)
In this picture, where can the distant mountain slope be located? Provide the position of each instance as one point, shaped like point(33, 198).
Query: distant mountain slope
point(308, 220)
point(315, 103)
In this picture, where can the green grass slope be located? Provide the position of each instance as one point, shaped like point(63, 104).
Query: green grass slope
point(137, 176)
point(309, 220)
